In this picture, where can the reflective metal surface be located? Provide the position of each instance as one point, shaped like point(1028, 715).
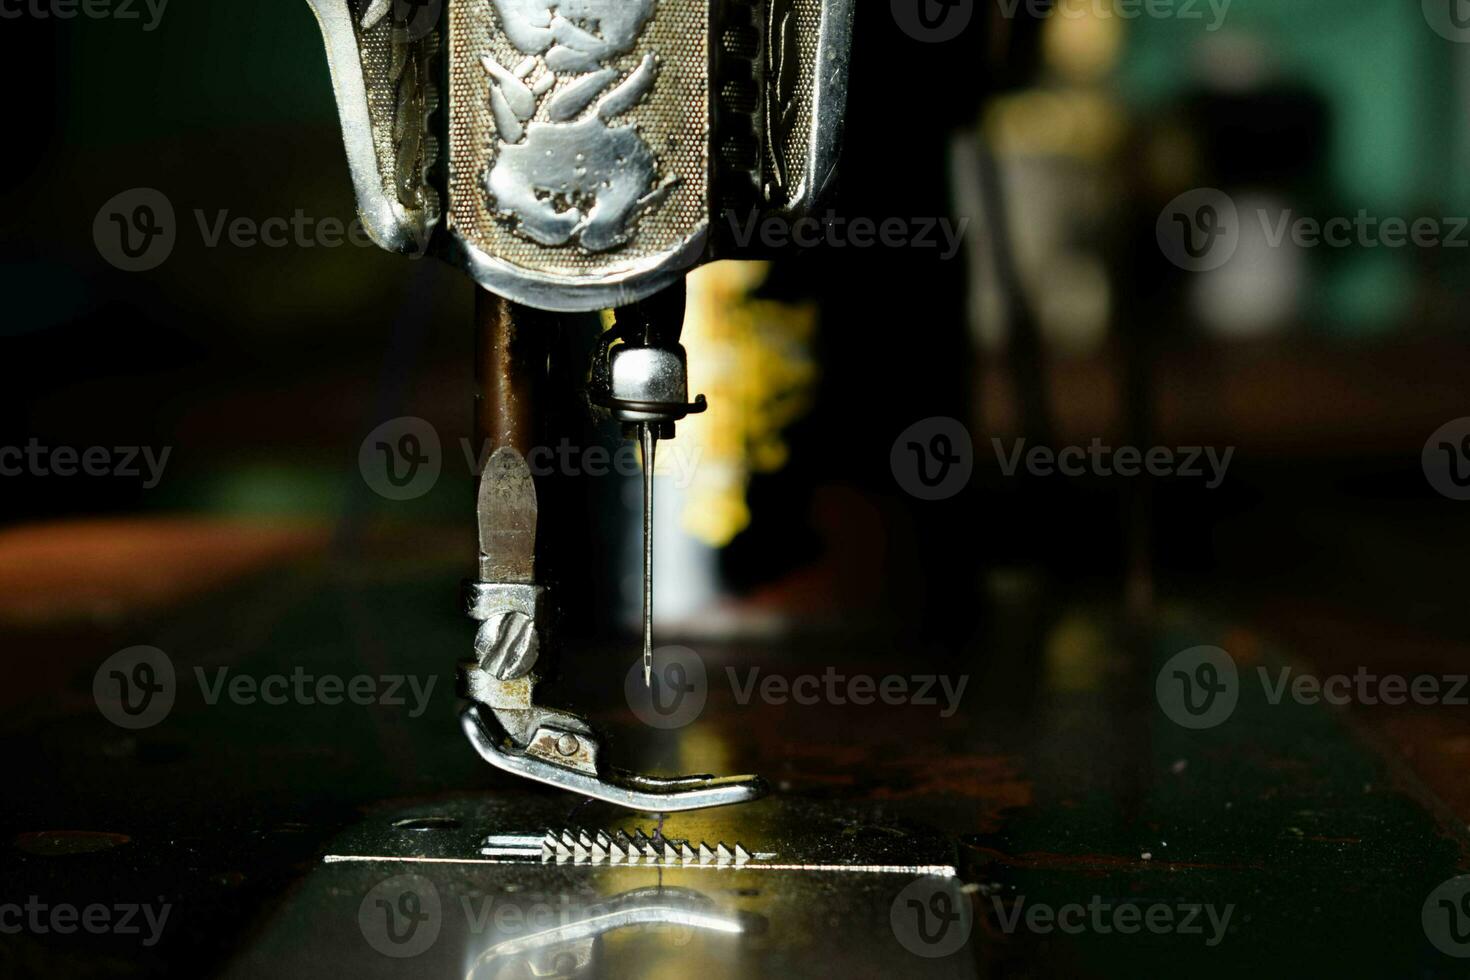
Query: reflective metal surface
point(381, 73)
point(504, 723)
point(408, 889)
point(585, 155)
point(776, 835)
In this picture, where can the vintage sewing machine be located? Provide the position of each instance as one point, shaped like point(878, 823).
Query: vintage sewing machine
point(576, 156)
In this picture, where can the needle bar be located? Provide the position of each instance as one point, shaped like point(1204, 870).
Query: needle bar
point(649, 439)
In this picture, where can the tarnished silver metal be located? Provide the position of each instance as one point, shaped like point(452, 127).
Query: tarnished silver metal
point(504, 723)
point(568, 948)
point(651, 794)
point(382, 58)
point(509, 639)
point(599, 847)
point(650, 384)
point(507, 645)
point(584, 154)
point(784, 834)
point(506, 511)
point(578, 146)
point(649, 440)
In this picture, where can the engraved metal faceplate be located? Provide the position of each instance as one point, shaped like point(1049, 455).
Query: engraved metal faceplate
point(383, 55)
point(583, 154)
point(578, 142)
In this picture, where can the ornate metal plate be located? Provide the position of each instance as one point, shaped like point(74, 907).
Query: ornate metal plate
point(578, 141)
point(584, 153)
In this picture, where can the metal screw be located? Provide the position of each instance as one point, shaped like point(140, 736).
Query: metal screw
point(506, 645)
point(568, 744)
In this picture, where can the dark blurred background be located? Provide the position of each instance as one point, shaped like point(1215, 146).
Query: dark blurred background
point(263, 368)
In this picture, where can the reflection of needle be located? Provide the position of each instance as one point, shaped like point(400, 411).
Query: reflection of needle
point(646, 436)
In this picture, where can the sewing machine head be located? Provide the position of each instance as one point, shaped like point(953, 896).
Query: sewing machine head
point(576, 155)
point(582, 155)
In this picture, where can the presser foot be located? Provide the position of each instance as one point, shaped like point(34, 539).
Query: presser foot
point(503, 722)
point(568, 756)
